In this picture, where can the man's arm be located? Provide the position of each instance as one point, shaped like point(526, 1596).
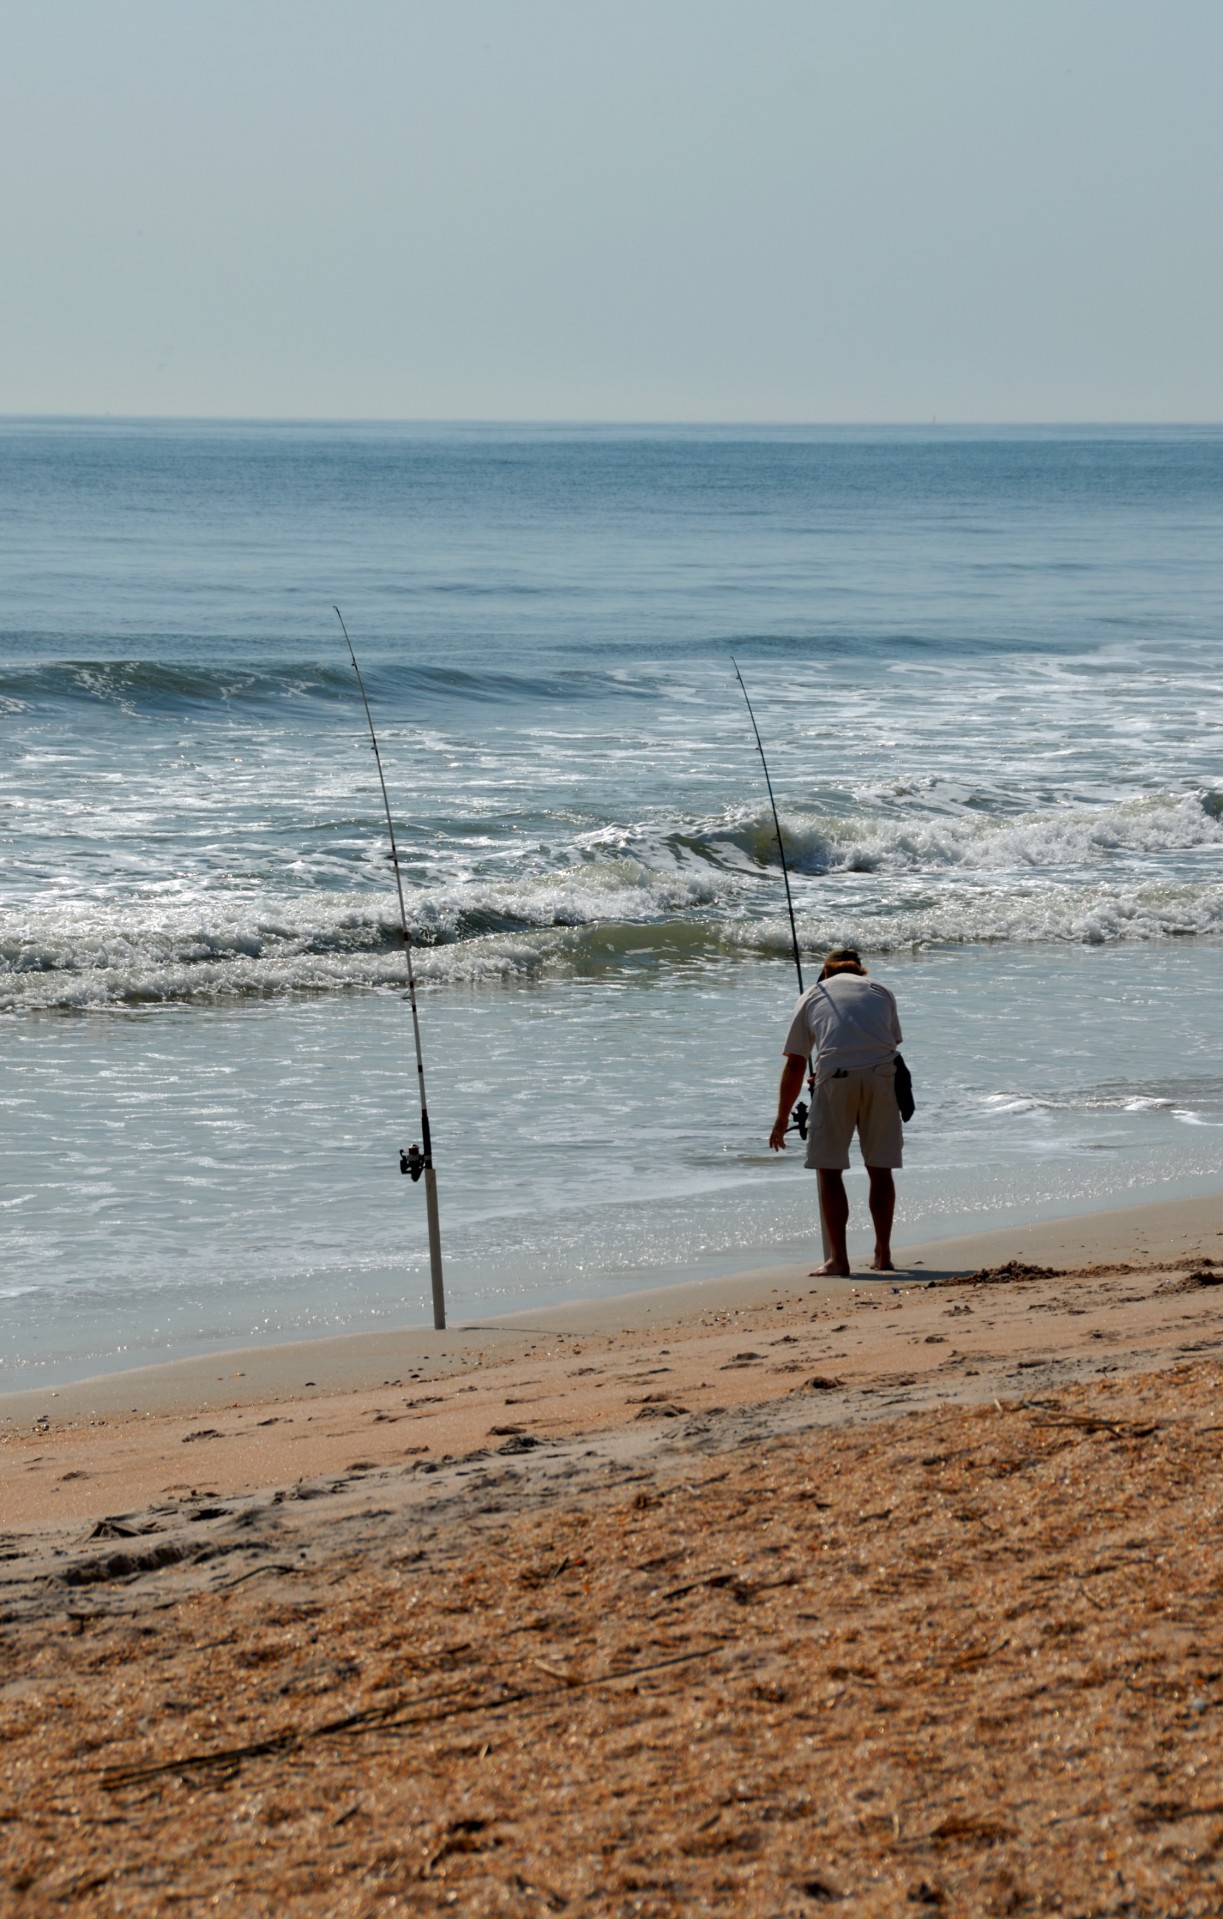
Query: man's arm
point(792, 1075)
point(897, 1035)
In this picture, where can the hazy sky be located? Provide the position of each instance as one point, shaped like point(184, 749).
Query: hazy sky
point(613, 209)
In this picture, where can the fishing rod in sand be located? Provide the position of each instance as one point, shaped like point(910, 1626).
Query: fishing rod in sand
point(414, 1161)
point(801, 1111)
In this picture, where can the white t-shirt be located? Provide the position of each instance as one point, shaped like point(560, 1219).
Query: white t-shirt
point(848, 1021)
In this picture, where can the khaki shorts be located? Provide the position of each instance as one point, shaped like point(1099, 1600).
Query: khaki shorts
point(864, 1102)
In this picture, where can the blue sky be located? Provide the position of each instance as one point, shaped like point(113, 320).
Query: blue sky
point(882, 210)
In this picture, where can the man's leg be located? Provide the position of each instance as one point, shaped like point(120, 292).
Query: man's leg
point(883, 1211)
point(834, 1205)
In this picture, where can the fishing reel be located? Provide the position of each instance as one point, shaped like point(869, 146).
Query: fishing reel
point(412, 1162)
point(799, 1118)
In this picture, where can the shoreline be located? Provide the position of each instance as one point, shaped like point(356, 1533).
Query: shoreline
point(348, 1362)
point(1042, 1307)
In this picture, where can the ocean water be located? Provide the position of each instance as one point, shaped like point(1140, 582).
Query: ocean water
point(985, 669)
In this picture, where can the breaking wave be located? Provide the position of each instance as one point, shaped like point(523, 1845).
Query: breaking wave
point(151, 686)
point(588, 922)
point(889, 840)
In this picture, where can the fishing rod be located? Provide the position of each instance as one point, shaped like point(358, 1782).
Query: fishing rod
point(801, 1110)
point(413, 1161)
point(781, 851)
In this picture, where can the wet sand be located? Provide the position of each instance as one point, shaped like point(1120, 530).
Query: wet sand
point(268, 1416)
point(753, 1598)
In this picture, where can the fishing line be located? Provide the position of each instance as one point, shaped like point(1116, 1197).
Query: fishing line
point(414, 1161)
point(781, 851)
point(800, 1111)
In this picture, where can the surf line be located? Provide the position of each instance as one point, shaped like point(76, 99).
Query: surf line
point(414, 1161)
point(801, 1112)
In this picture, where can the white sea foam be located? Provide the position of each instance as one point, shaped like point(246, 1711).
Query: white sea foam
point(1143, 870)
point(920, 841)
point(316, 943)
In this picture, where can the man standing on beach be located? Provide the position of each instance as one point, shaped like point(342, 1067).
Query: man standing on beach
point(851, 1025)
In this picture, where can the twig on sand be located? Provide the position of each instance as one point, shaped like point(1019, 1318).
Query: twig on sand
point(743, 1591)
point(1078, 1580)
point(256, 1572)
point(398, 1714)
point(1092, 1423)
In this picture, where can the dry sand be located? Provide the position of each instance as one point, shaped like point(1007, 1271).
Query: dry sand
point(895, 1595)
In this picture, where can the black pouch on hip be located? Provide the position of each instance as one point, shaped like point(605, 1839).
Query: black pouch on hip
point(904, 1090)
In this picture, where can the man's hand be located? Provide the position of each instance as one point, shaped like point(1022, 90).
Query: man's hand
point(791, 1086)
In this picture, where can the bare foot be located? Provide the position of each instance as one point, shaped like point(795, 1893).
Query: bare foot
point(882, 1263)
point(831, 1269)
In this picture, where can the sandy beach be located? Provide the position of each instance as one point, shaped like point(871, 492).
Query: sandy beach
point(749, 1597)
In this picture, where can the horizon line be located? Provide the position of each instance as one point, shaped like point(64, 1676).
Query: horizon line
point(578, 421)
